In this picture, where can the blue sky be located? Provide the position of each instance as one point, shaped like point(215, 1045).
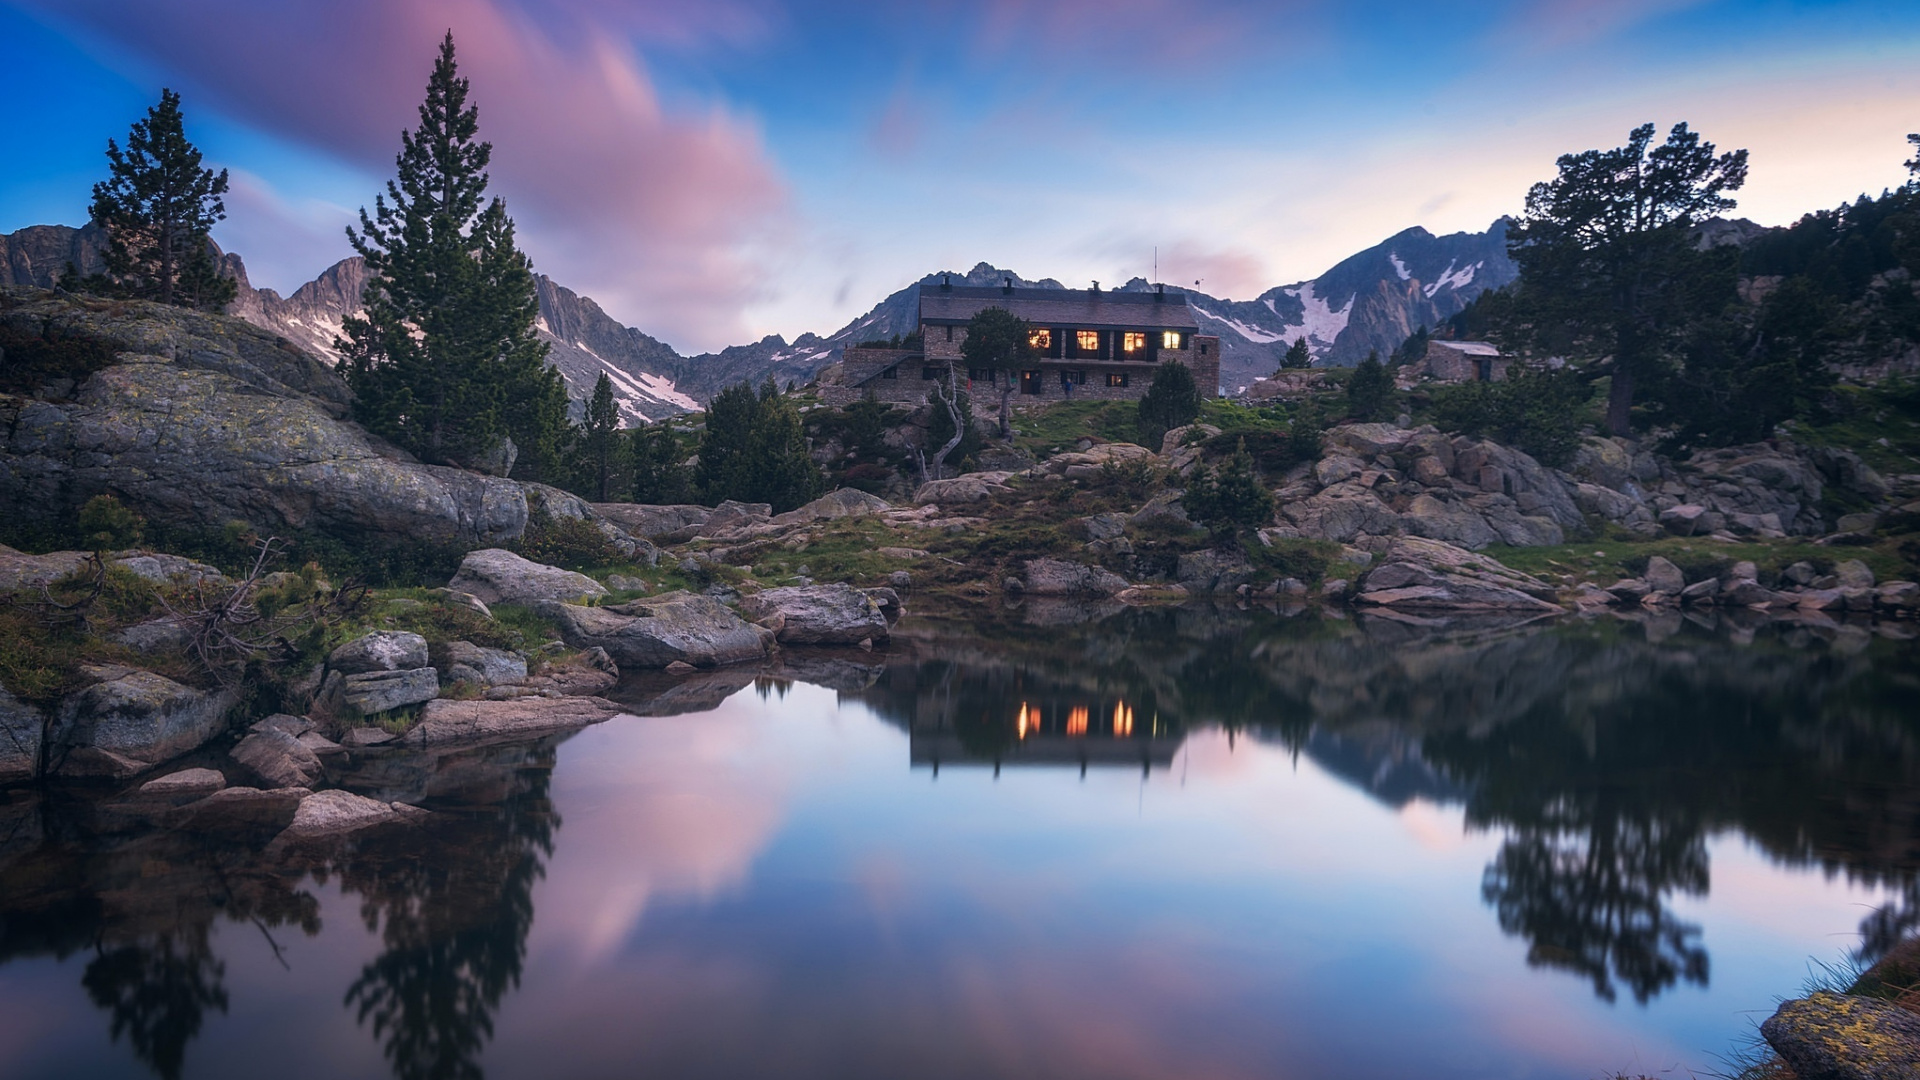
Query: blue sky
point(713, 172)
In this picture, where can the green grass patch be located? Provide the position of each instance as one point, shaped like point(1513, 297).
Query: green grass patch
point(1880, 423)
point(1045, 429)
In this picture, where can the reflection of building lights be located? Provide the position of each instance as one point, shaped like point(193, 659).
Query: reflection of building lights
point(1020, 723)
point(1122, 720)
point(1077, 720)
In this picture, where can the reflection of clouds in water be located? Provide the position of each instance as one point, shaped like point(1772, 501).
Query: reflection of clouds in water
point(1434, 827)
point(667, 808)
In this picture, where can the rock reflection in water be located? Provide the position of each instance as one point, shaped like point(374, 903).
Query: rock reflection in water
point(452, 902)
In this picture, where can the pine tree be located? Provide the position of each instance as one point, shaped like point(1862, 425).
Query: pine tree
point(444, 360)
point(1172, 401)
point(726, 447)
point(1232, 496)
point(157, 206)
point(1370, 390)
point(1000, 342)
point(659, 478)
point(781, 469)
point(600, 440)
point(1297, 355)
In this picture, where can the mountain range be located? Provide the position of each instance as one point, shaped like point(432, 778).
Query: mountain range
point(1370, 301)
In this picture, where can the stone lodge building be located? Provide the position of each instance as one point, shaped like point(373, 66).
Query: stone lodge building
point(1459, 361)
point(1089, 344)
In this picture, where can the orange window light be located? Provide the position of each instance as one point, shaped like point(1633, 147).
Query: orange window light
point(1021, 724)
point(1122, 720)
point(1041, 339)
point(1077, 720)
point(1089, 339)
point(1170, 339)
point(1133, 342)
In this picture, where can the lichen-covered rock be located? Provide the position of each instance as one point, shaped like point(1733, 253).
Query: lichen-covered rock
point(161, 569)
point(658, 631)
point(164, 634)
point(22, 729)
point(202, 420)
point(1664, 577)
point(20, 571)
point(1213, 571)
point(128, 721)
point(332, 813)
point(371, 692)
point(661, 524)
point(498, 576)
point(1057, 577)
point(1854, 574)
point(382, 650)
point(280, 760)
point(1845, 1037)
point(839, 503)
point(836, 614)
point(1369, 441)
point(463, 661)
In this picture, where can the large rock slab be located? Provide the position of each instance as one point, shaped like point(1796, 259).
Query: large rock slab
point(841, 503)
point(1845, 1037)
point(382, 650)
point(334, 813)
point(129, 721)
point(185, 782)
point(203, 419)
point(381, 691)
point(971, 488)
point(20, 571)
point(498, 576)
point(1417, 573)
point(460, 722)
point(22, 731)
point(836, 614)
point(1057, 577)
point(162, 569)
point(667, 524)
point(658, 631)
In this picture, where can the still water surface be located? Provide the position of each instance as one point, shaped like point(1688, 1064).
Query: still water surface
point(1162, 844)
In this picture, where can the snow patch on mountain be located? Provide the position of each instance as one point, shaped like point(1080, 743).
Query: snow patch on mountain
point(1455, 279)
point(1399, 267)
point(1251, 333)
point(1322, 323)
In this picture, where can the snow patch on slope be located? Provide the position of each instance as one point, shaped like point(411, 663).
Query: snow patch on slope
point(1320, 323)
point(1251, 333)
point(1399, 267)
point(1457, 279)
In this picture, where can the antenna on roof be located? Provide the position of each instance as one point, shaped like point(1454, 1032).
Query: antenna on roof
point(1156, 262)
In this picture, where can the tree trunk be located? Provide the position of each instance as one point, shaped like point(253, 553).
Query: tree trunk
point(950, 399)
point(1006, 395)
point(1620, 399)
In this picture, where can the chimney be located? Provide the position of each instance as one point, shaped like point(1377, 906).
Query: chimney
point(1159, 293)
point(1096, 286)
point(1006, 286)
point(946, 282)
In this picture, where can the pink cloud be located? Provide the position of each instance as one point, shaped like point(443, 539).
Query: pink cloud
point(652, 212)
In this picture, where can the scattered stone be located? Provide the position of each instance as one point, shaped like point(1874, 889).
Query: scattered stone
point(840, 503)
point(1213, 571)
point(680, 667)
point(971, 488)
point(456, 598)
point(445, 722)
point(1857, 523)
point(900, 579)
point(278, 759)
point(902, 553)
point(19, 571)
point(241, 810)
point(382, 691)
point(320, 744)
point(1800, 573)
point(1163, 511)
point(1701, 592)
point(836, 614)
point(163, 569)
point(185, 782)
point(1898, 596)
point(655, 632)
point(1664, 577)
point(1854, 574)
point(1845, 1037)
point(498, 576)
point(1684, 520)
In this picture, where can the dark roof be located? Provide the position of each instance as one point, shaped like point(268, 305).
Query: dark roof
point(1059, 307)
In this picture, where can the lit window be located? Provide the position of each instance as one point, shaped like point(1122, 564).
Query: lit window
point(1116, 378)
point(1088, 340)
point(1077, 720)
point(1133, 342)
point(1041, 339)
point(1170, 339)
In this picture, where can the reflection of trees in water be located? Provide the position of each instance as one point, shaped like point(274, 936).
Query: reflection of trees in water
point(157, 994)
point(1590, 897)
point(455, 927)
point(1607, 758)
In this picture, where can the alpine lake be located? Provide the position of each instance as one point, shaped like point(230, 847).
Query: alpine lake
point(1038, 840)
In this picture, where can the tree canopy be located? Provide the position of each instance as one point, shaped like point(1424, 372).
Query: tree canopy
point(1609, 268)
point(1172, 401)
point(157, 206)
point(755, 450)
point(999, 341)
point(1296, 355)
point(444, 360)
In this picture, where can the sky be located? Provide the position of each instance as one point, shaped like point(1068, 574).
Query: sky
point(715, 171)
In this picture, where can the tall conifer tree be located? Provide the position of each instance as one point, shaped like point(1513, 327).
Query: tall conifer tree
point(444, 360)
point(157, 206)
point(601, 438)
